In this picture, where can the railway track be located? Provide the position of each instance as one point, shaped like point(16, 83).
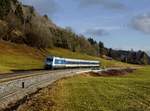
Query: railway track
point(16, 86)
point(24, 74)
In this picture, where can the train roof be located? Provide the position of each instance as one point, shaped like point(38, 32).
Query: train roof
point(69, 59)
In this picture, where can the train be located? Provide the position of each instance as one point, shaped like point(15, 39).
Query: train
point(53, 62)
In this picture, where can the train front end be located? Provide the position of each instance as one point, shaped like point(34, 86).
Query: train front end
point(49, 63)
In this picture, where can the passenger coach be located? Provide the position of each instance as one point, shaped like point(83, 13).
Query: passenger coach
point(57, 62)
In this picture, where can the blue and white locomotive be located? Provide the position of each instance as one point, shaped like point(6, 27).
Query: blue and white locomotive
point(57, 62)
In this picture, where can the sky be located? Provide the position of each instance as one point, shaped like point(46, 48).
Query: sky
point(120, 24)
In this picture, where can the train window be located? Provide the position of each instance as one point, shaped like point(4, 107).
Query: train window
point(72, 62)
point(49, 59)
point(88, 63)
point(59, 61)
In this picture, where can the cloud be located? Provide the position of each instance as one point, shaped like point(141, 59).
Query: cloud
point(109, 4)
point(49, 7)
point(110, 28)
point(142, 23)
point(96, 32)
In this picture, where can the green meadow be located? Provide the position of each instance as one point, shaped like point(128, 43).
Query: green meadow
point(130, 92)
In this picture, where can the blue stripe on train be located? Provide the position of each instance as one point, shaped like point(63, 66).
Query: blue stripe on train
point(71, 62)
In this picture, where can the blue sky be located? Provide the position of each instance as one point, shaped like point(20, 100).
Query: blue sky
point(120, 24)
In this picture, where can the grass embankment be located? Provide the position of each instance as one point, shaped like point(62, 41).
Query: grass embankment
point(87, 93)
point(22, 57)
point(19, 57)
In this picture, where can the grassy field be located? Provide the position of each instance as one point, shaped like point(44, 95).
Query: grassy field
point(22, 57)
point(87, 93)
point(19, 57)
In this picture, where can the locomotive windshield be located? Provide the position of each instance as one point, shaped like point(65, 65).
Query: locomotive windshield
point(48, 62)
point(49, 59)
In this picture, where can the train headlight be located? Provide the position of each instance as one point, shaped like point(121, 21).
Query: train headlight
point(48, 63)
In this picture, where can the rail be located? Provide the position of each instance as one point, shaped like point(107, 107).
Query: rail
point(14, 88)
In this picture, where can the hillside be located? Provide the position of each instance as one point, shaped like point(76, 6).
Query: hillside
point(22, 24)
point(36, 30)
point(13, 56)
point(133, 57)
point(22, 57)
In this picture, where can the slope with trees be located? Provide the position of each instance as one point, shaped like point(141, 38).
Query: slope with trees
point(23, 25)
